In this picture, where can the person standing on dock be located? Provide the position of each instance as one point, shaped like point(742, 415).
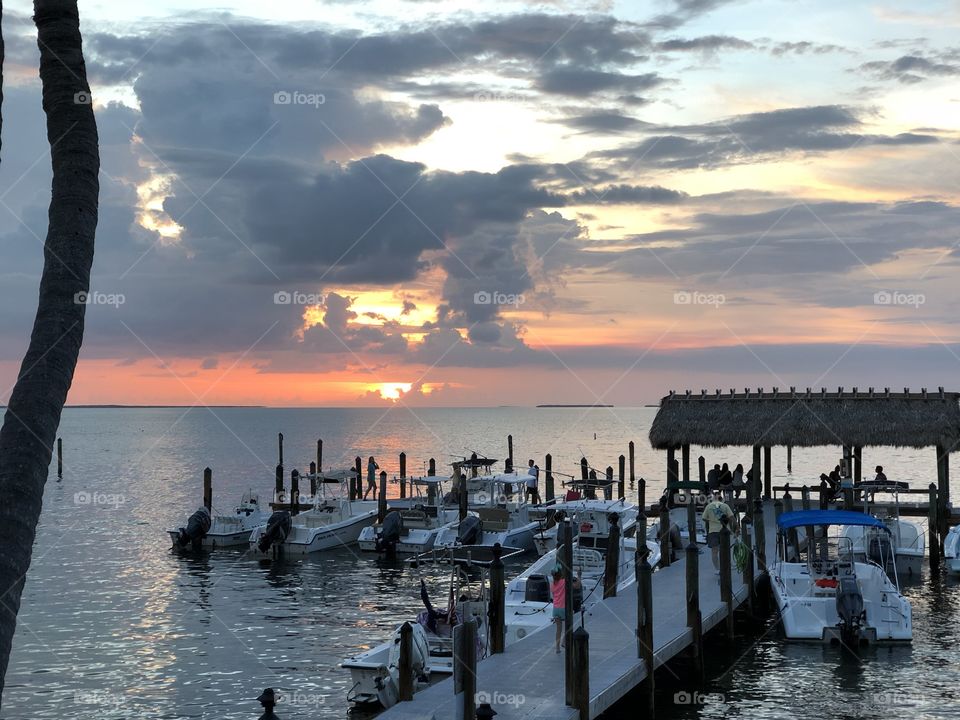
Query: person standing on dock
point(881, 476)
point(737, 484)
point(372, 468)
point(713, 478)
point(533, 478)
point(558, 589)
point(713, 520)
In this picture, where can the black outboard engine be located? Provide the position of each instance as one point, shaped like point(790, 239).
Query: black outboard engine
point(850, 609)
point(276, 531)
point(197, 528)
point(537, 589)
point(469, 532)
point(390, 532)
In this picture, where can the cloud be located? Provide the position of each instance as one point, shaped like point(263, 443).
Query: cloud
point(910, 69)
point(754, 137)
point(602, 122)
point(705, 43)
point(580, 82)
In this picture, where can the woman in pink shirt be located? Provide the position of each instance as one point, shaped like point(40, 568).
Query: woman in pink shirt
point(558, 588)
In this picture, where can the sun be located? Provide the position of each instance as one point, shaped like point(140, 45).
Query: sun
point(392, 391)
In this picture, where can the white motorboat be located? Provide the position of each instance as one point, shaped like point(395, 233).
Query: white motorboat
point(375, 673)
point(899, 550)
point(828, 596)
point(411, 525)
point(494, 515)
point(214, 531)
point(334, 521)
point(951, 550)
point(529, 603)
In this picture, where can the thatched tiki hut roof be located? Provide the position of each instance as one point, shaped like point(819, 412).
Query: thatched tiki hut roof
point(806, 419)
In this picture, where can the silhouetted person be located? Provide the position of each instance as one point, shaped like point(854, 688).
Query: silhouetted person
point(880, 478)
point(268, 700)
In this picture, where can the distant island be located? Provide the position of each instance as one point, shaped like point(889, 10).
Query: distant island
point(597, 405)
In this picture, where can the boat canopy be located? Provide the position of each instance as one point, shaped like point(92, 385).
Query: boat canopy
point(800, 518)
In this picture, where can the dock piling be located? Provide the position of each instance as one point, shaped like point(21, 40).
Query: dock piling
point(432, 468)
point(642, 497)
point(621, 477)
point(60, 457)
point(767, 472)
point(789, 459)
point(685, 459)
point(406, 678)
point(793, 537)
point(497, 612)
point(403, 474)
point(294, 491)
point(508, 464)
point(664, 537)
point(581, 674)
point(358, 478)
point(755, 472)
point(319, 455)
point(208, 489)
point(726, 578)
point(760, 532)
point(465, 666)
point(278, 487)
point(608, 488)
point(382, 497)
point(694, 619)
point(630, 455)
point(280, 449)
point(747, 534)
point(612, 559)
point(702, 472)
point(548, 477)
point(313, 481)
point(645, 629)
point(932, 539)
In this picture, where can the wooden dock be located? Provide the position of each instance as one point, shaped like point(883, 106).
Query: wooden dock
point(527, 681)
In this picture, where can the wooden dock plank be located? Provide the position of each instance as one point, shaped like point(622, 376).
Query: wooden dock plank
point(527, 680)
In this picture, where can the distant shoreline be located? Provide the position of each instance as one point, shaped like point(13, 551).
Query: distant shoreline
point(594, 405)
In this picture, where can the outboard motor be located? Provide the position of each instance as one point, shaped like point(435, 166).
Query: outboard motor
point(276, 531)
point(850, 609)
point(197, 528)
point(390, 532)
point(537, 589)
point(469, 532)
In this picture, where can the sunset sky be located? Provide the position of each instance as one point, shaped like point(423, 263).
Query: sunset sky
point(450, 203)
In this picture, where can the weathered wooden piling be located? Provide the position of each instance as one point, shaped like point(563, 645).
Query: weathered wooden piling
point(746, 530)
point(358, 477)
point(664, 537)
point(508, 464)
point(403, 474)
point(548, 477)
point(208, 489)
point(313, 481)
point(462, 497)
point(382, 497)
point(760, 532)
point(621, 477)
point(60, 457)
point(694, 618)
point(932, 530)
point(756, 472)
point(631, 458)
point(691, 516)
point(612, 559)
point(280, 449)
point(608, 488)
point(496, 615)
point(581, 672)
point(591, 489)
point(702, 472)
point(465, 665)
point(319, 455)
point(432, 468)
point(406, 679)
point(645, 629)
point(294, 491)
point(726, 578)
point(789, 459)
point(584, 469)
point(824, 495)
point(767, 472)
point(278, 487)
point(943, 493)
point(642, 497)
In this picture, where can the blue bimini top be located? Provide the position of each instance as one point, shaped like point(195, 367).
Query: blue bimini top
point(799, 518)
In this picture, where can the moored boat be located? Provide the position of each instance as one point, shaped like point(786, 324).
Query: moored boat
point(826, 595)
point(207, 530)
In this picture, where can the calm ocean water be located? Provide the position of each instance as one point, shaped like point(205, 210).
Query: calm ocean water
point(114, 625)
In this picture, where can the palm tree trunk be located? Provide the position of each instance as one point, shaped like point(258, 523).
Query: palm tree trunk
point(33, 412)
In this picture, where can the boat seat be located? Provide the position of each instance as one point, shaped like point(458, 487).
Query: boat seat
point(494, 519)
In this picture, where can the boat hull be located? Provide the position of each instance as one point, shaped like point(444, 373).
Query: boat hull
point(304, 540)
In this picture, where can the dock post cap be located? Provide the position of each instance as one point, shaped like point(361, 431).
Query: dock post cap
point(484, 711)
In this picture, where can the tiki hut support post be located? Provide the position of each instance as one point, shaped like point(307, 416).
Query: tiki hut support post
point(756, 471)
point(767, 473)
point(702, 470)
point(789, 459)
point(857, 464)
point(685, 455)
point(671, 482)
point(932, 533)
point(943, 491)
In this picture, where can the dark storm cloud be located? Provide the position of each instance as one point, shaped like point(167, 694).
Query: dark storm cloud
point(628, 195)
point(751, 137)
point(580, 82)
point(606, 122)
point(910, 69)
point(706, 43)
